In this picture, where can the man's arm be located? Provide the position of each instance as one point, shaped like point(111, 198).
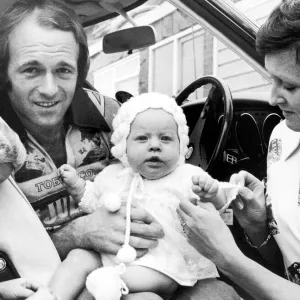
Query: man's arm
point(65, 240)
point(104, 232)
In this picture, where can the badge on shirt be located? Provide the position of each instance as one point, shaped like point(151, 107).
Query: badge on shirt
point(274, 151)
point(227, 216)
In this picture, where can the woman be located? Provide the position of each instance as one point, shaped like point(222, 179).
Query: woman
point(274, 216)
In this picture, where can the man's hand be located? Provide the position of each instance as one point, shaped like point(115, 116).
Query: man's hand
point(104, 232)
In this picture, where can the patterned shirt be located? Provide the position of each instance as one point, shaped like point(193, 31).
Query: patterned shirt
point(87, 145)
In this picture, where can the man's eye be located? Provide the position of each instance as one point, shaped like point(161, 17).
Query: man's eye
point(289, 88)
point(64, 71)
point(31, 71)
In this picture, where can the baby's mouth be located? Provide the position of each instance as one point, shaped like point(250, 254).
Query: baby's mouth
point(154, 159)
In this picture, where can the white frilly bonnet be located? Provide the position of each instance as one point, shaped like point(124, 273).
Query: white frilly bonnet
point(135, 105)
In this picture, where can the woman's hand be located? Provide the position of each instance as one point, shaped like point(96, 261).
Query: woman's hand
point(209, 235)
point(250, 208)
point(207, 232)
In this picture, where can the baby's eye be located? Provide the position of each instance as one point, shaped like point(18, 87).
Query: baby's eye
point(166, 138)
point(141, 138)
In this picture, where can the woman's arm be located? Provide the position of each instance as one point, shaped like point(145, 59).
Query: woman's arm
point(250, 211)
point(208, 234)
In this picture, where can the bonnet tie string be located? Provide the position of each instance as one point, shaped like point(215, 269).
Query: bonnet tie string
point(136, 181)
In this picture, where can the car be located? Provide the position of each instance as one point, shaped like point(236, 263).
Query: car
point(225, 102)
point(229, 127)
point(238, 120)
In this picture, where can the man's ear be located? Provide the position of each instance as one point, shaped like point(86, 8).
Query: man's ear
point(5, 86)
point(298, 54)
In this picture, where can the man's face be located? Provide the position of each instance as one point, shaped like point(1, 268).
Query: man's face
point(43, 73)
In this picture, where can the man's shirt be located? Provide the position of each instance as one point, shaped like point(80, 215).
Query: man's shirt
point(87, 145)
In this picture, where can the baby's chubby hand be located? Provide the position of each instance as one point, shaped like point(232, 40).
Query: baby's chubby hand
point(68, 175)
point(205, 187)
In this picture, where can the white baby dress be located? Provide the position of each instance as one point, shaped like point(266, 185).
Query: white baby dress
point(173, 256)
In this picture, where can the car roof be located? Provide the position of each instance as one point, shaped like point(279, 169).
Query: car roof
point(230, 25)
point(90, 12)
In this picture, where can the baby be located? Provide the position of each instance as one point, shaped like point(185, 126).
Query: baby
point(150, 140)
point(12, 157)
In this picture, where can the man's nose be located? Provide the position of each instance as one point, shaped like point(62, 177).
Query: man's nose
point(48, 86)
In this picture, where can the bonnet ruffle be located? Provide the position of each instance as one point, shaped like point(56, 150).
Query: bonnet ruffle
point(135, 105)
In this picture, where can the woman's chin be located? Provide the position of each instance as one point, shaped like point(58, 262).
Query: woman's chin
point(293, 125)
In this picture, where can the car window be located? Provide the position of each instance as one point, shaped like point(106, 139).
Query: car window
point(258, 10)
point(184, 51)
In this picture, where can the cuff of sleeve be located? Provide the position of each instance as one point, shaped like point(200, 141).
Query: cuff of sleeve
point(230, 193)
point(88, 202)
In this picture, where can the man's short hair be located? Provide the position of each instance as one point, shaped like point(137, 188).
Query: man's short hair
point(281, 30)
point(50, 14)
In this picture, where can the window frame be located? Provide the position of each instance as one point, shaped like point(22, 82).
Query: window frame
point(175, 40)
point(113, 67)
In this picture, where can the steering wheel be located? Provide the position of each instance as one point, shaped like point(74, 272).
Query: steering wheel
point(219, 92)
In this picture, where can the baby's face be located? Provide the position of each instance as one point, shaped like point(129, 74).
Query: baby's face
point(153, 147)
point(5, 171)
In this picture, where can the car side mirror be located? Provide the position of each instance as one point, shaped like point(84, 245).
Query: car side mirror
point(129, 39)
